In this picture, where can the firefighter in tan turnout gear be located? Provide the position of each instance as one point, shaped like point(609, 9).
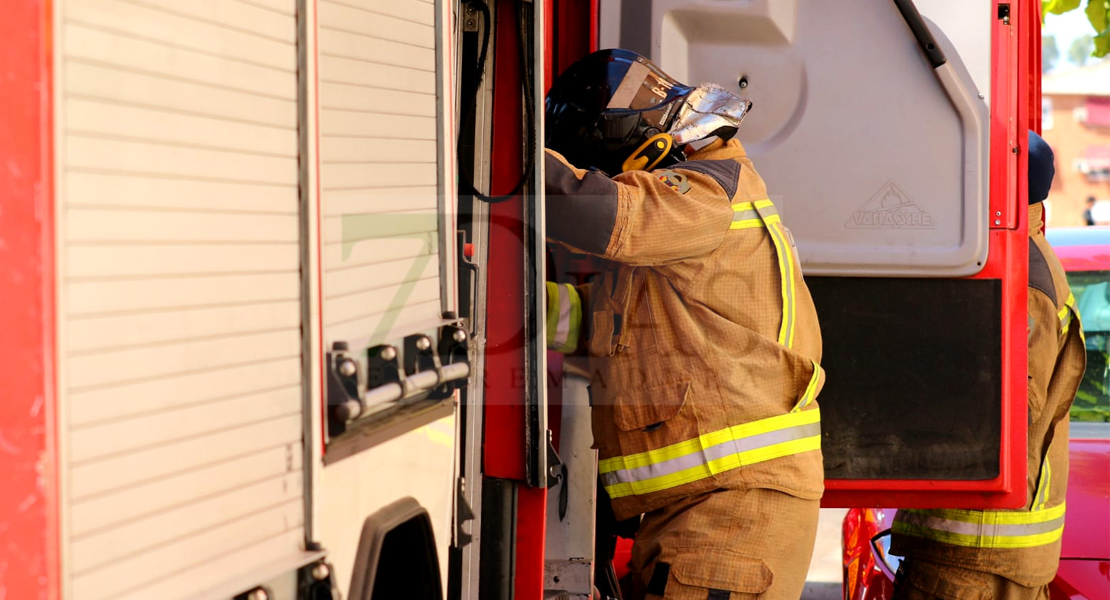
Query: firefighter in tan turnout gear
point(1011, 554)
point(703, 340)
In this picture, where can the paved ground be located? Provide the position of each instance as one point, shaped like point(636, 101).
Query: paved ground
point(824, 579)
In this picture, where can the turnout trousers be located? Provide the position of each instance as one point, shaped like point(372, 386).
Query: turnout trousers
point(728, 544)
point(923, 580)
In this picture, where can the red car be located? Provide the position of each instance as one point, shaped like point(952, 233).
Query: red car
point(1085, 557)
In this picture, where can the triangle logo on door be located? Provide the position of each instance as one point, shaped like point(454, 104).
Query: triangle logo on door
point(890, 208)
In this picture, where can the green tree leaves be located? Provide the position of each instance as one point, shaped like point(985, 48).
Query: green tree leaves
point(1058, 7)
point(1098, 13)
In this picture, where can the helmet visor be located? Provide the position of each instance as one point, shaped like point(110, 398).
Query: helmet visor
point(644, 88)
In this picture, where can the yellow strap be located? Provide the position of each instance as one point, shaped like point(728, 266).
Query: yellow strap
point(1070, 313)
point(811, 389)
point(746, 217)
point(1044, 483)
point(762, 213)
point(786, 272)
point(641, 159)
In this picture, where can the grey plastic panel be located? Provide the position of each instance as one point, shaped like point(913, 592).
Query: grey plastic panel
point(879, 163)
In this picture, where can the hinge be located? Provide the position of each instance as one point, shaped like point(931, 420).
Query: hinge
point(470, 18)
point(463, 513)
point(557, 475)
point(465, 253)
point(316, 581)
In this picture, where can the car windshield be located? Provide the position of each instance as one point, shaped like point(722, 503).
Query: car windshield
point(1092, 296)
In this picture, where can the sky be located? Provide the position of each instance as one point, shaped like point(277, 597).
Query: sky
point(1067, 27)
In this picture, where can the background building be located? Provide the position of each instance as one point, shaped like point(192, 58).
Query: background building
point(1076, 123)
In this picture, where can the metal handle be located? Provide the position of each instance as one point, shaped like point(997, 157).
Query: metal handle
point(415, 385)
point(921, 31)
point(974, 116)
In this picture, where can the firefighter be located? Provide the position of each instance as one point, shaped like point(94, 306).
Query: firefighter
point(1012, 554)
point(702, 338)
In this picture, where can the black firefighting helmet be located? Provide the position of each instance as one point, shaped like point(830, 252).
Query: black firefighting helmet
point(612, 110)
point(1042, 168)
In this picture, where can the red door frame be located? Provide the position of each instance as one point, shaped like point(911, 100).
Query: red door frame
point(29, 507)
point(504, 436)
point(504, 390)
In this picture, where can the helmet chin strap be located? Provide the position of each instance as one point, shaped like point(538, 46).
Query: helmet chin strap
point(649, 154)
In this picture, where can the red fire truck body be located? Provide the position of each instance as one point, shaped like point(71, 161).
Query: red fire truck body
point(268, 336)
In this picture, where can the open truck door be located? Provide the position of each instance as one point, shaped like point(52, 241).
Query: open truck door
point(892, 137)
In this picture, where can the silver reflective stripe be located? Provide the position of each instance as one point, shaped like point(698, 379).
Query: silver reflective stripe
point(710, 454)
point(982, 530)
point(744, 215)
point(753, 213)
point(562, 330)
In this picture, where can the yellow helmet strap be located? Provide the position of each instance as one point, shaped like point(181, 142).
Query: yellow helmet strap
point(649, 154)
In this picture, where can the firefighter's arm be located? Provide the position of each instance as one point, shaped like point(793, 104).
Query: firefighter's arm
point(566, 310)
point(638, 217)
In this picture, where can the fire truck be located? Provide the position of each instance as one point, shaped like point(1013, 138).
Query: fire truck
point(272, 277)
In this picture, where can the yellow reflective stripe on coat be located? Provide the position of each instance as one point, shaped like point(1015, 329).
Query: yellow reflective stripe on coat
point(984, 529)
point(564, 317)
point(1043, 486)
point(1067, 314)
point(711, 453)
point(811, 389)
point(745, 216)
point(1044, 483)
point(762, 213)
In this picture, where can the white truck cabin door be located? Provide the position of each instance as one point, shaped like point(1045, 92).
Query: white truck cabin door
point(885, 156)
point(871, 126)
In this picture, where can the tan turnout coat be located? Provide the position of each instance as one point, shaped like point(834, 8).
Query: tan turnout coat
point(1057, 359)
point(703, 339)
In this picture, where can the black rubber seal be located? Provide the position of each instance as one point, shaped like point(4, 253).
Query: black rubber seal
point(921, 31)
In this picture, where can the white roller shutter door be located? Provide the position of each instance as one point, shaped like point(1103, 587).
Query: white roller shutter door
point(179, 294)
point(380, 130)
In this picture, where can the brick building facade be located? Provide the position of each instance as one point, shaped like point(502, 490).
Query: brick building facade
point(1076, 123)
